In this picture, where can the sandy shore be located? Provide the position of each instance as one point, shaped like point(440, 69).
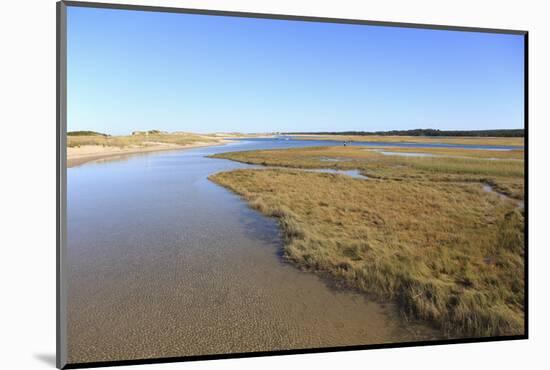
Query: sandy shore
point(88, 153)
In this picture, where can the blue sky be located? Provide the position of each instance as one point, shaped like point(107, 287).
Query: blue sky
point(134, 70)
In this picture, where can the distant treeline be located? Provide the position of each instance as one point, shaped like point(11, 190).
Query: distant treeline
point(85, 133)
point(422, 132)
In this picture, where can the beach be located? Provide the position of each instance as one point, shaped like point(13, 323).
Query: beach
point(88, 153)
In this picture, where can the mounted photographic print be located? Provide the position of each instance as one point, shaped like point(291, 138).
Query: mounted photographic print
point(235, 184)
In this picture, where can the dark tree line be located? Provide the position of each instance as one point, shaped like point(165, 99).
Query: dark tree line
point(424, 132)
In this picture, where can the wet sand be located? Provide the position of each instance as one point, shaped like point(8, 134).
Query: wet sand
point(88, 153)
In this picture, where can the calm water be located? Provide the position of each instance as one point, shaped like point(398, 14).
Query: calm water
point(163, 262)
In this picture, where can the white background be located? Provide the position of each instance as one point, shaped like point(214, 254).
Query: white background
point(27, 232)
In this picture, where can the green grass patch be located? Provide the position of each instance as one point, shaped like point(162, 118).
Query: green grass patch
point(85, 133)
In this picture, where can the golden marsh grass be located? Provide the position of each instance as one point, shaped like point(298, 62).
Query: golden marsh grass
point(423, 233)
point(455, 165)
point(513, 141)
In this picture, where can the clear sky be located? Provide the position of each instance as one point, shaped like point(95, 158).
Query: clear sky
point(134, 70)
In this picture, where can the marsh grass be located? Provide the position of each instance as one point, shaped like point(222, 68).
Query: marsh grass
point(515, 154)
point(451, 165)
point(512, 141)
point(419, 234)
point(449, 254)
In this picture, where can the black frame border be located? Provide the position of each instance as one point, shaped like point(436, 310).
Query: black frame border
point(61, 170)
